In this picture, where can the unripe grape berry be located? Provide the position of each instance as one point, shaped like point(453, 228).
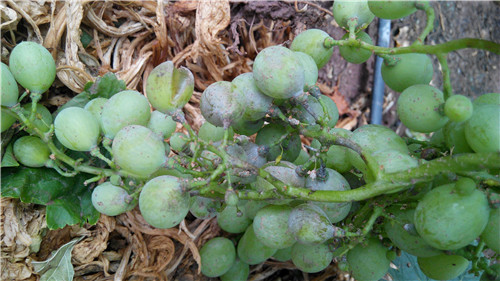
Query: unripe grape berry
point(251, 250)
point(410, 69)
point(254, 103)
point(392, 10)
point(43, 117)
point(9, 90)
point(312, 42)
point(490, 234)
point(368, 262)
point(76, 129)
point(308, 224)
point(490, 98)
point(278, 73)
point(162, 124)
point(310, 69)
point(219, 105)
point(238, 271)
point(311, 258)
point(346, 10)
point(96, 106)
point(353, 54)
point(443, 267)
point(8, 118)
point(458, 108)
point(31, 151)
point(111, 200)
point(271, 226)
point(217, 256)
point(481, 130)
point(32, 66)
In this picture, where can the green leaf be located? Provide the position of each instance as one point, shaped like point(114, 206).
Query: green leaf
point(68, 201)
point(8, 159)
point(58, 266)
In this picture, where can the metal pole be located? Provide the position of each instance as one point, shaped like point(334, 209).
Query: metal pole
point(384, 30)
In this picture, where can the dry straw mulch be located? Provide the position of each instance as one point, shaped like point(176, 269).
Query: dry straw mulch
point(129, 38)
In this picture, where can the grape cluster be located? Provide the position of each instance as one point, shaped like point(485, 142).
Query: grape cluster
point(247, 168)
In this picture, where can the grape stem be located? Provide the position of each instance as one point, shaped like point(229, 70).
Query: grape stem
point(445, 70)
point(431, 16)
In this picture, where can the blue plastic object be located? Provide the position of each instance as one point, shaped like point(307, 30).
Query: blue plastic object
point(384, 32)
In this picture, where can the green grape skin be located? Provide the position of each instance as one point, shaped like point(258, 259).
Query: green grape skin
point(10, 91)
point(8, 119)
point(437, 138)
point(408, 240)
point(458, 108)
point(490, 98)
point(448, 220)
point(302, 158)
point(443, 267)
point(169, 88)
point(178, 141)
point(211, 133)
point(418, 108)
point(217, 256)
point(239, 271)
point(289, 147)
point(392, 161)
point(255, 104)
point(138, 150)
point(162, 124)
point(76, 129)
point(310, 69)
point(32, 66)
point(270, 226)
point(353, 54)
point(486, 277)
point(95, 106)
point(251, 250)
point(490, 234)
point(123, 109)
point(337, 158)
point(454, 137)
point(311, 258)
point(481, 130)
point(311, 42)
point(31, 151)
point(203, 208)
point(368, 262)
point(252, 207)
point(286, 174)
point(163, 203)
point(392, 10)
point(345, 10)
point(112, 200)
point(330, 118)
point(254, 154)
point(283, 254)
point(233, 219)
point(411, 69)
point(278, 73)
point(219, 105)
point(372, 138)
point(247, 128)
point(43, 117)
point(336, 182)
point(308, 224)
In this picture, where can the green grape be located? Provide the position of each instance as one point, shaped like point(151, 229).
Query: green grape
point(43, 117)
point(486, 277)
point(491, 98)
point(368, 261)
point(449, 220)
point(31, 151)
point(163, 203)
point(255, 104)
point(391, 10)
point(169, 88)
point(233, 219)
point(217, 256)
point(8, 118)
point(283, 254)
point(311, 258)
point(238, 272)
point(392, 161)
point(112, 200)
point(247, 128)
point(123, 109)
point(347, 10)
point(285, 174)
point(418, 108)
point(443, 267)
point(311, 42)
point(337, 158)
point(437, 138)
point(403, 235)
point(481, 130)
point(278, 73)
point(330, 117)
point(308, 224)
point(270, 135)
point(9, 90)
point(219, 105)
point(490, 234)
point(203, 208)
point(411, 69)
point(458, 108)
point(76, 129)
point(32, 66)
point(162, 124)
point(252, 207)
point(335, 211)
point(136, 149)
point(210, 133)
point(270, 226)
point(95, 106)
point(178, 141)
point(372, 138)
point(251, 250)
point(310, 69)
point(454, 137)
point(302, 158)
point(254, 154)
point(354, 54)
